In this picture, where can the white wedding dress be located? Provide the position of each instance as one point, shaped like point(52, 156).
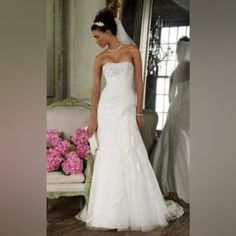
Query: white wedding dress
point(171, 156)
point(124, 194)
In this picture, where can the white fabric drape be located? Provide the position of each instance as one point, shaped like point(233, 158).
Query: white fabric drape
point(183, 3)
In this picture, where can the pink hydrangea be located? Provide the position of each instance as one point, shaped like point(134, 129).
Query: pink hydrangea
point(54, 159)
point(80, 136)
point(62, 147)
point(82, 150)
point(72, 164)
point(53, 137)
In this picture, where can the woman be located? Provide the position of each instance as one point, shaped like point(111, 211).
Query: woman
point(124, 193)
point(171, 158)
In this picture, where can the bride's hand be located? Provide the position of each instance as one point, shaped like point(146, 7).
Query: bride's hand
point(140, 120)
point(92, 127)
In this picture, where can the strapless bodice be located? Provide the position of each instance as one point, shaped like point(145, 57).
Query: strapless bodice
point(117, 69)
point(119, 78)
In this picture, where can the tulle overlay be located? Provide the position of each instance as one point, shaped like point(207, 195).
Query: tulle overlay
point(124, 194)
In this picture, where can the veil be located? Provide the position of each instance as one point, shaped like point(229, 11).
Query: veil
point(179, 86)
point(122, 36)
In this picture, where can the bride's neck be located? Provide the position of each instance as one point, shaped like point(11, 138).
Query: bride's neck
point(114, 43)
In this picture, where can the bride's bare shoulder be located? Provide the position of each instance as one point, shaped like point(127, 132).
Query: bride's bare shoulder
point(130, 47)
point(99, 57)
point(133, 49)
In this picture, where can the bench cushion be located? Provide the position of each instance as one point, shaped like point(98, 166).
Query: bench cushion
point(72, 187)
point(57, 177)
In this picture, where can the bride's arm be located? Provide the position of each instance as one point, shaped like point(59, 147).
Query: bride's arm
point(95, 96)
point(138, 78)
point(138, 84)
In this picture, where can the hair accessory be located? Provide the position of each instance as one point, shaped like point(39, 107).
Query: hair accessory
point(99, 23)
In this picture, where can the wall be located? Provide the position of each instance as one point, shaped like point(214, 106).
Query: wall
point(81, 47)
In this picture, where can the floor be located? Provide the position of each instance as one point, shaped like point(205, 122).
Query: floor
point(62, 222)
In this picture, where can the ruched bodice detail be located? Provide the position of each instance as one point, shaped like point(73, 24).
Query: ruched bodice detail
point(118, 97)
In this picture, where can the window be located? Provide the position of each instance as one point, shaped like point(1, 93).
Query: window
point(169, 38)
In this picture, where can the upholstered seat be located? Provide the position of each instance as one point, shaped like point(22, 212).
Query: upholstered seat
point(66, 117)
point(148, 131)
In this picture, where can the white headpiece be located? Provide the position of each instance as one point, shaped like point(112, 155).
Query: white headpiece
point(99, 23)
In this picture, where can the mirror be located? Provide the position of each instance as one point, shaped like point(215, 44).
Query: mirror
point(168, 21)
point(56, 48)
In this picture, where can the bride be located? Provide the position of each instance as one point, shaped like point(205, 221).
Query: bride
point(124, 194)
point(171, 157)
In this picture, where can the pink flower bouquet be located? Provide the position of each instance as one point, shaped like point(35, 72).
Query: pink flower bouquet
point(53, 137)
point(72, 164)
point(67, 155)
point(80, 139)
point(54, 159)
